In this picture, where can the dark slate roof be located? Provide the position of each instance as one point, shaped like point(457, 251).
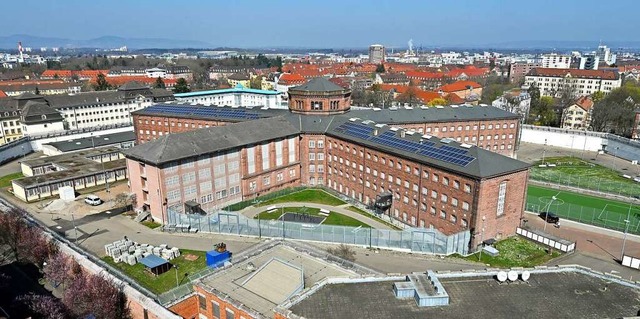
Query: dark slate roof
point(97, 141)
point(178, 146)
point(485, 165)
point(132, 85)
point(432, 114)
point(33, 112)
point(201, 112)
point(27, 96)
point(87, 98)
point(319, 84)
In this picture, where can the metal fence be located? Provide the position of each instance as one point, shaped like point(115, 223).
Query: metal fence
point(627, 188)
point(589, 215)
point(419, 240)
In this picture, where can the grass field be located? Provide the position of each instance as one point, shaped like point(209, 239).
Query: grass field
point(306, 196)
point(575, 172)
point(333, 218)
point(583, 208)
point(167, 280)
point(5, 181)
point(516, 252)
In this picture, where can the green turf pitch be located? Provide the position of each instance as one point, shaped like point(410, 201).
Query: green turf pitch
point(583, 208)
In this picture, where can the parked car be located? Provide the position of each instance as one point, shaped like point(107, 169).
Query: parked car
point(93, 200)
point(549, 217)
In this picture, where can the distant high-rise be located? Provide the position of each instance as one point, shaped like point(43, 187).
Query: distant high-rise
point(589, 62)
point(376, 53)
point(605, 55)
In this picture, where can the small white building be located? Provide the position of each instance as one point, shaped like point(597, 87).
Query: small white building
point(238, 96)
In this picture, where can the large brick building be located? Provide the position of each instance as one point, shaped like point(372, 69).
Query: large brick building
point(423, 157)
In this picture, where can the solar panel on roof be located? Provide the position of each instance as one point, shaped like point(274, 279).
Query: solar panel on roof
point(445, 153)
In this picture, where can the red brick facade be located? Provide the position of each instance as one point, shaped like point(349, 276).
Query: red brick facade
point(499, 136)
point(312, 103)
point(426, 196)
point(149, 128)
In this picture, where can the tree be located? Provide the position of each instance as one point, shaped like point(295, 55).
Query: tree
point(159, 83)
point(343, 251)
point(37, 91)
point(615, 112)
point(409, 96)
point(380, 68)
point(44, 307)
point(597, 96)
point(543, 114)
point(181, 86)
point(438, 101)
point(101, 83)
point(95, 295)
point(256, 82)
point(27, 242)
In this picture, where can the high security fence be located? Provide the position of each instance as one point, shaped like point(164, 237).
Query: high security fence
point(420, 240)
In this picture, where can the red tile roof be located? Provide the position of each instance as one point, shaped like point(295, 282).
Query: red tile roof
point(289, 79)
point(585, 103)
point(459, 86)
point(576, 73)
point(2, 94)
point(120, 80)
point(67, 74)
point(424, 96)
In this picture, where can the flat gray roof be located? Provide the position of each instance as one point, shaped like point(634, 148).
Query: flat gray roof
point(97, 141)
point(545, 295)
point(232, 281)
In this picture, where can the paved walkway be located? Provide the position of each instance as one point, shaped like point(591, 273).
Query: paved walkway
point(252, 211)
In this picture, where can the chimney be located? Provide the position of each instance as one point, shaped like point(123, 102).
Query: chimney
point(402, 133)
point(375, 132)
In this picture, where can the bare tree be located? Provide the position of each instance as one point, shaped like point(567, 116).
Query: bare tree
point(343, 251)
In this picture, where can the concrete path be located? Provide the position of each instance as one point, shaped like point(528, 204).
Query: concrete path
point(252, 211)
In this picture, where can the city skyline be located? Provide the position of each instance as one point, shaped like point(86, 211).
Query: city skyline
point(327, 24)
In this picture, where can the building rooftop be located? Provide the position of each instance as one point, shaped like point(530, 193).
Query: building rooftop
point(319, 84)
point(266, 278)
point(567, 294)
point(178, 146)
point(237, 89)
point(576, 73)
point(201, 112)
point(445, 153)
point(96, 141)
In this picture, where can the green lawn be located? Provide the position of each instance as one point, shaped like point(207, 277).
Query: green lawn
point(361, 212)
point(516, 252)
point(167, 280)
point(5, 181)
point(152, 225)
point(316, 196)
point(584, 174)
point(583, 208)
point(333, 218)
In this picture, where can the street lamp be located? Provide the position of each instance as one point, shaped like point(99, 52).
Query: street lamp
point(624, 239)
point(546, 211)
point(176, 268)
point(481, 238)
point(613, 159)
point(544, 150)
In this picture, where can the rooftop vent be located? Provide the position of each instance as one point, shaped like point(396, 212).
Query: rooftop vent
point(368, 122)
point(353, 119)
point(377, 109)
point(411, 132)
point(408, 107)
point(427, 136)
point(439, 107)
point(424, 107)
point(454, 105)
point(465, 145)
point(393, 108)
point(402, 133)
point(381, 125)
point(395, 129)
point(446, 140)
point(469, 105)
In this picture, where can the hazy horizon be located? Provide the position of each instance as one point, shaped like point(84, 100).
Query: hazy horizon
point(329, 23)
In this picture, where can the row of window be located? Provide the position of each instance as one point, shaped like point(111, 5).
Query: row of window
point(266, 180)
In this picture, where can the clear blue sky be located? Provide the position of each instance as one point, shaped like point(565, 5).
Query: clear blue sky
point(327, 23)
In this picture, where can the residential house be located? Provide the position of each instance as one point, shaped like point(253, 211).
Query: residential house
point(578, 114)
point(552, 82)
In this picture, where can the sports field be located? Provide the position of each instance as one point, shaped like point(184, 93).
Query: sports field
point(572, 171)
point(583, 208)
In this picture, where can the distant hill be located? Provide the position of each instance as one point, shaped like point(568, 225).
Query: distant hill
point(105, 42)
point(551, 44)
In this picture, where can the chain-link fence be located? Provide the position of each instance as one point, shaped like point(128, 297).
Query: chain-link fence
point(627, 188)
point(412, 239)
point(612, 217)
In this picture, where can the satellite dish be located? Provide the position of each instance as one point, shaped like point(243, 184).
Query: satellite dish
point(512, 275)
point(525, 275)
point(502, 276)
